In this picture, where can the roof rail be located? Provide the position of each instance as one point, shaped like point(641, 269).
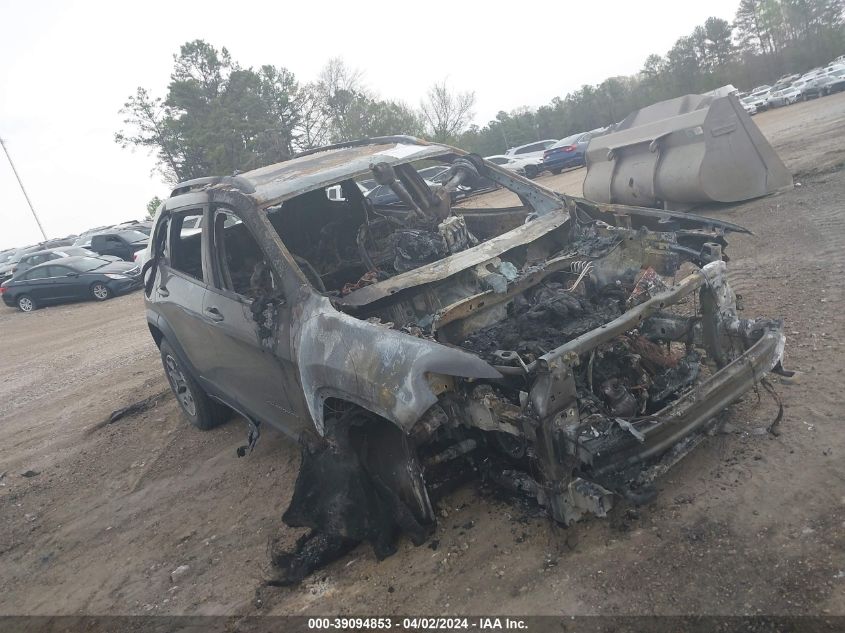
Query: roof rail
point(235, 181)
point(375, 140)
point(246, 187)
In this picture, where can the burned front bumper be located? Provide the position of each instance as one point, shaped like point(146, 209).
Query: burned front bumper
point(583, 466)
point(612, 466)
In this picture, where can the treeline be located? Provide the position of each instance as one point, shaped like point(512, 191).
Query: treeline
point(218, 117)
point(768, 38)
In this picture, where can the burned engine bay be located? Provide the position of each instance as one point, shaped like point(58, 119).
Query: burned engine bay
point(614, 339)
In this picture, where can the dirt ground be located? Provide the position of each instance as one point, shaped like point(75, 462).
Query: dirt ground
point(151, 516)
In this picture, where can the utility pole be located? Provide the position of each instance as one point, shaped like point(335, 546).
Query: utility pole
point(28, 201)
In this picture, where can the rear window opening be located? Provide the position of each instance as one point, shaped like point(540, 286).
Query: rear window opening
point(185, 243)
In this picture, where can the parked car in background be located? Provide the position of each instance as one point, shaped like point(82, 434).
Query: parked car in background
point(122, 244)
point(784, 97)
point(144, 226)
point(84, 238)
point(6, 255)
point(749, 105)
point(55, 243)
point(439, 175)
point(830, 68)
point(758, 98)
point(531, 150)
point(435, 173)
point(759, 102)
point(382, 195)
point(778, 86)
point(40, 257)
point(832, 82)
point(10, 266)
point(73, 279)
point(807, 87)
point(528, 166)
point(569, 152)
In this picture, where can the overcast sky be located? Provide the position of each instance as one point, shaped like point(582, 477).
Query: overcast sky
point(66, 68)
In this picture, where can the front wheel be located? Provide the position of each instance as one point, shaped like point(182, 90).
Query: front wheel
point(531, 171)
point(25, 303)
point(100, 291)
point(201, 411)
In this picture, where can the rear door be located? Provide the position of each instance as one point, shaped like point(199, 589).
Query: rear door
point(37, 284)
point(181, 284)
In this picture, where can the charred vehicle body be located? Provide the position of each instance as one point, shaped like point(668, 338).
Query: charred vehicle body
point(566, 350)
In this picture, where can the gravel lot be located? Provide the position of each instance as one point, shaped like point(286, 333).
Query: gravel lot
point(747, 524)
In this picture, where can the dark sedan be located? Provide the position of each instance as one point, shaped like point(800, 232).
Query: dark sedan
point(568, 152)
point(72, 279)
point(832, 82)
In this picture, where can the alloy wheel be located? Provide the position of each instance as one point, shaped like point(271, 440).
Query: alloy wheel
point(100, 291)
point(180, 385)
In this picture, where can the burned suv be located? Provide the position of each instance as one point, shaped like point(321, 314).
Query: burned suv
point(565, 350)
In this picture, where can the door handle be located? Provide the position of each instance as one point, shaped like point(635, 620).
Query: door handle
point(213, 313)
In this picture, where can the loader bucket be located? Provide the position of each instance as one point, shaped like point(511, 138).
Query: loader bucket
point(681, 153)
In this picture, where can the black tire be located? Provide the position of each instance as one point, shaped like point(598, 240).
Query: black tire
point(100, 291)
point(201, 411)
point(556, 170)
point(25, 303)
point(531, 171)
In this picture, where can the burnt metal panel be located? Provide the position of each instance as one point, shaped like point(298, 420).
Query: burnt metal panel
point(448, 266)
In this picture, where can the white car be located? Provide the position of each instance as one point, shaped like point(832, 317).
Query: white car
point(141, 257)
point(531, 150)
point(783, 97)
point(760, 104)
point(434, 173)
point(748, 104)
point(528, 166)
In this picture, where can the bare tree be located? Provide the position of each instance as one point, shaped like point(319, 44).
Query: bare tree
point(447, 113)
point(336, 76)
point(313, 127)
point(341, 90)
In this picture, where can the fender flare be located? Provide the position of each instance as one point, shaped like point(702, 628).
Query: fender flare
point(157, 321)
